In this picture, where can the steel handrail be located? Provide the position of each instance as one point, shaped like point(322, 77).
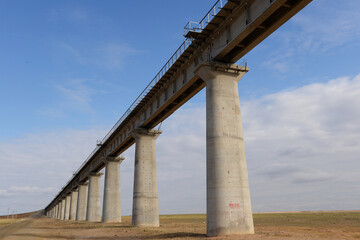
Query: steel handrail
point(200, 26)
point(135, 103)
point(206, 19)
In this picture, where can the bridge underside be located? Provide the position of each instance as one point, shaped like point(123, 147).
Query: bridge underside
point(204, 60)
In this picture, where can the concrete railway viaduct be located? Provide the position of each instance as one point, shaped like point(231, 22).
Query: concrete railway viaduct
point(205, 59)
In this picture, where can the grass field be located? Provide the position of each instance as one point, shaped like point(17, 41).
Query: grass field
point(4, 222)
point(315, 219)
point(303, 225)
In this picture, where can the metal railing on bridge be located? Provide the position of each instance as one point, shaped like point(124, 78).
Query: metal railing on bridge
point(190, 26)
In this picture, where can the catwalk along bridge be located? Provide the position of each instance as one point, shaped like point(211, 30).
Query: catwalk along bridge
point(205, 59)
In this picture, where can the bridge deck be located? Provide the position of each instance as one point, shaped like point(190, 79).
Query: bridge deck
point(227, 32)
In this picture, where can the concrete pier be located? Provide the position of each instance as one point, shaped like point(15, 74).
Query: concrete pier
point(145, 199)
point(62, 209)
point(228, 197)
point(73, 204)
point(67, 207)
point(93, 211)
point(58, 211)
point(55, 211)
point(112, 196)
point(82, 202)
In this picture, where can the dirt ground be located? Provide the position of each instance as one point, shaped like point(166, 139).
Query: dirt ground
point(305, 225)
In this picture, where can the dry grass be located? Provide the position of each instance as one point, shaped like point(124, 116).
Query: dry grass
point(306, 225)
point(19, 215)
point(5, 222)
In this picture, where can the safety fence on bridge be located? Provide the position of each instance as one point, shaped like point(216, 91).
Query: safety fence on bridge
point(189, 27)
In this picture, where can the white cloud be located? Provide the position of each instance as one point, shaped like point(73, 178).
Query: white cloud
point(305, 142)
point(35, 167)
point(302, 148)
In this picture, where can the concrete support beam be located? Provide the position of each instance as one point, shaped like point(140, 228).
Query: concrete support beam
point(67, 207)
point(62, 217)
point(82, 202)
point(228, 196)
point(73, 204)
point(112, 196)
point(145, 199)
point(93, 212)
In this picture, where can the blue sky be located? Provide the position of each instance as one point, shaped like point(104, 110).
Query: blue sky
point(69, 69)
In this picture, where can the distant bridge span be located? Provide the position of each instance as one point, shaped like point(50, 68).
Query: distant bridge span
point(227, 32)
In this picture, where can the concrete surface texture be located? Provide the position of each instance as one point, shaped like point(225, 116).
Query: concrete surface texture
point(67, 207)
point(112, 197)
point(93, 211)
point(233, 33)
point(228, 197)
point(62, 209)
point(58, 210)
point(73, 204)
point(145, 199)
point(82, 202)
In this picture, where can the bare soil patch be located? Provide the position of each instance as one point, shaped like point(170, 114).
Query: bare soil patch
point(304, 225)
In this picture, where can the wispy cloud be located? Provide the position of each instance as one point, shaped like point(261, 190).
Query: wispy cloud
point(74, 95)
point(72, 14)
point(77, 94)
point(317, 30)
point(25, 190)
point(109, 55)
point(325, 29)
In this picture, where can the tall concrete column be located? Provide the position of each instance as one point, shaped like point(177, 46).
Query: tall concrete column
point(73, 204)
point(67, 207)
point(228, 196)
point(82, 202)
point(145, 199)
point(112, 200)
point(93, 212)
point(58, 210)
point(62, 217)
